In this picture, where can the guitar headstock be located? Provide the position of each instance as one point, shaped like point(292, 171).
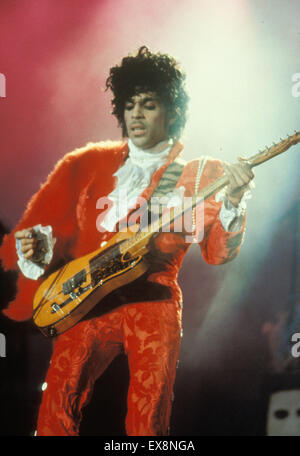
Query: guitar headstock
point(275, 149)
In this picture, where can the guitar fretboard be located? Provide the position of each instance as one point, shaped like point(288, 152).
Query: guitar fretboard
point(209, 190)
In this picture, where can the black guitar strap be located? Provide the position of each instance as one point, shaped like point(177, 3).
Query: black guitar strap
point(170, 178)
point(166, 185)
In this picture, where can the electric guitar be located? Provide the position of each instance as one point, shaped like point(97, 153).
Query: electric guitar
point(68, 294)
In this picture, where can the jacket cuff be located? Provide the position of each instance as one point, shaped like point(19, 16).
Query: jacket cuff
point(232, 217)
point(31, 269)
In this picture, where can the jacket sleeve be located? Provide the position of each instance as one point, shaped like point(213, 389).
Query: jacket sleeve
point(218, 245)
point(54, 204)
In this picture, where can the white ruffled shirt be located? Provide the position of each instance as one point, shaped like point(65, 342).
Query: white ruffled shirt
point(133, 178)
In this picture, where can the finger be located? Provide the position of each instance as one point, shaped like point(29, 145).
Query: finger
point(28, 233)
point(241, 176)
point(238, 179)
point(20, 234)
point(29, 254)
point(242, 173)
point(26, 248)
point(247, 169)
point(228, 171)
point(246, 174)
point(233, 176)
point(246, 166)
point(243, 159)
point(26, 241)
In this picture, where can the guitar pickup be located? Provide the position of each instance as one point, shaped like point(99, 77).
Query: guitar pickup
point(74, 282)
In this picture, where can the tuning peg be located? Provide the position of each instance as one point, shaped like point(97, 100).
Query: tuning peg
point(282, 140)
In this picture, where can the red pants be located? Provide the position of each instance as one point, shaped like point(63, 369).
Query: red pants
point(150, 335)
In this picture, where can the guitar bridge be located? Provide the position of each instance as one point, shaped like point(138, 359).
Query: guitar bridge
point(72, 296)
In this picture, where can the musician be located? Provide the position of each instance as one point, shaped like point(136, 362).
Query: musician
point(65, 219)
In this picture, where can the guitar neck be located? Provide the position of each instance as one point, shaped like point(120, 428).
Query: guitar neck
point(209, 190)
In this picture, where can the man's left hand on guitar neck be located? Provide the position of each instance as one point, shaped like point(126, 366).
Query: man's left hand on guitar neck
point(240, 175)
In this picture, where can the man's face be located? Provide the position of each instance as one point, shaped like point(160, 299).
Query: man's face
point(146, 120)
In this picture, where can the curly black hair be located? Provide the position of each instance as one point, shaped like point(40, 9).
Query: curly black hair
point(150, 72)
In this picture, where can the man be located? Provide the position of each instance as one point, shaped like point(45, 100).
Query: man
point(150, 103)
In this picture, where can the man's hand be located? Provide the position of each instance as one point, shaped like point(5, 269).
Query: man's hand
point(239, 175)
point(32, 245)
point(28, 242)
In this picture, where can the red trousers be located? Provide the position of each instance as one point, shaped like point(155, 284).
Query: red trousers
point(150, 335)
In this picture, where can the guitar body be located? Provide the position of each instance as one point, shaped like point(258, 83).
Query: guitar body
point(69, 293)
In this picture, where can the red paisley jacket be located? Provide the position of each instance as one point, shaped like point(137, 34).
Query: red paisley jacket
point(67, 202)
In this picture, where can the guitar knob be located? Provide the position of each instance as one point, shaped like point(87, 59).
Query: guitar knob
point(126, 256)
point(52, 331)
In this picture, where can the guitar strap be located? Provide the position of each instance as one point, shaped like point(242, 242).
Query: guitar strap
point(166, 185)
point(170, 178)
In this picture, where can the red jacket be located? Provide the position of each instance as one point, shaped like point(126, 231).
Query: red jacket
point(67, 202)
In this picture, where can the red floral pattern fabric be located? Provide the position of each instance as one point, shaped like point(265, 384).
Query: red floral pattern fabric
point(149, 334)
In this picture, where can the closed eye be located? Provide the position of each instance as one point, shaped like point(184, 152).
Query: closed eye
point(129, 106)
point(150, 106)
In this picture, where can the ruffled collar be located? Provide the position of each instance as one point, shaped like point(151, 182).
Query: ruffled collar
point(133, 177)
